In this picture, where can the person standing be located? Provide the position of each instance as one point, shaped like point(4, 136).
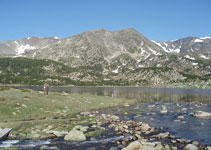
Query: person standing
point(45, 89)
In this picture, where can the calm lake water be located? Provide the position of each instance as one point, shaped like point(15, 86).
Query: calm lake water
point(141, 93)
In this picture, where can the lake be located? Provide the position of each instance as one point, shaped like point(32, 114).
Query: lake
point(140, 93)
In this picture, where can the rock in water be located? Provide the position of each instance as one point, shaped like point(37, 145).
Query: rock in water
point(147, 148)
point(164, 110)
point(201, 114)
point(190, 147)
point(133, 146)
point(75, 135)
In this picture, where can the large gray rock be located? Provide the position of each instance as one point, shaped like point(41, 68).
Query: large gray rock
point(133, 146)
point(147, 148)
point(159, 147)
point(75, 135)
point(190, 147)
point(201, 114)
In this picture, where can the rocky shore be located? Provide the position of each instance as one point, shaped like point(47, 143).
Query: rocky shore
point(130, 135)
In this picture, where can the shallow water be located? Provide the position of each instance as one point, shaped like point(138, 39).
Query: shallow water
point(190, 127)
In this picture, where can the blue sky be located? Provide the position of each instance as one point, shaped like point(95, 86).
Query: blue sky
point(159, 20)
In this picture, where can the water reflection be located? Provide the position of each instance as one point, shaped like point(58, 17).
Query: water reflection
point(140, 93)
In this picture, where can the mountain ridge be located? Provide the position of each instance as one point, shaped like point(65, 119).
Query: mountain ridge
point(127, 57)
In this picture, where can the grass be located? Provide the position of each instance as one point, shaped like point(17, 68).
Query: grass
point(97, 132)
point(27, 110)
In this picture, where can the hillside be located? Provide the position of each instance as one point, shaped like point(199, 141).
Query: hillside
point(102, 57)
point(26, 71)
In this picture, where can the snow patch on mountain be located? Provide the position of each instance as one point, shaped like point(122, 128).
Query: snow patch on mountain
point(56, 37)
point(34, 54)
point(21, 49)
point(195, 64)
point(198, 40)
point(187, 56)
point(168, 50)
point(206, 37)
point(204, 57)
point(164, 48)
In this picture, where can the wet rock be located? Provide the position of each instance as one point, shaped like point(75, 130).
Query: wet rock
point(159, 147)
point(190, 147)
point(147, 148)
point(164, 110)
point(145, 127)
point(75, 135)
point(195, 143)
point(181, 117)
point(115, 118)
point(209, 148)
point(162, 135)
point(176, 120)
point(173, 141)
point(133, 146)
point(180, 140)
point(167, 147)
point(45, 147)
point(174, 148)
point(138, 136)
point(201, 114)
point(147, 143)
point(125, 126)
point(184, 109)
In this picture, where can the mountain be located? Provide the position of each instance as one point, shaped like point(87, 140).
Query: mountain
point(124, 57)
point(100, 44)
point(187, 45)
point(18, 47)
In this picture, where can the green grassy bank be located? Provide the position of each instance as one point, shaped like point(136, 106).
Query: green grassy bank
point(31, 113)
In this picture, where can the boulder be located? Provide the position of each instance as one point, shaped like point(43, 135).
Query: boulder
point(159, 147)
point(75, 135)
point(164, 110)
point(162, 135)
point(133, 146)
point(147, 148)
point(58, 133)
point(190, 147)
point(147, 143)
point(201, 114)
